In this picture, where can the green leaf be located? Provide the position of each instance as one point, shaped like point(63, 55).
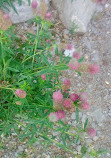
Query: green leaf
point(20, 2)
point(61, 67)
point(85, 124)
point(13, 69)
point(83, 150)
point(41, 127)
point(81, 59)
point(77, 115)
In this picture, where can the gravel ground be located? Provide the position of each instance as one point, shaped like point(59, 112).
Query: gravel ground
point(96, 46)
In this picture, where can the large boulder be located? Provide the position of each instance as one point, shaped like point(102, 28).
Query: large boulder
point(25, 11)
point(78, 12)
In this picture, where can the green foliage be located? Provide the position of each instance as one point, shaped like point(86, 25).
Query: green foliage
point(21, 65)
point(73, 28)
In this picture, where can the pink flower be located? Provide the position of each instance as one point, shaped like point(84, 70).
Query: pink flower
point(93, 69)
point(76, 55)
point(68, 103)
point(43, 76)
point(60, 114)
point(67, 82)
point(57, 96)
point(53, 117)
point(100, 1)
point(70, 47)
point(18, 102)
point(34, 4)
point(48, 15)
point(91, 132)
point(48, 41)
point(74, 97)
point(83, 96)
point(20, 93)
point(85, 106)
point(6, 16)
point(73, 64)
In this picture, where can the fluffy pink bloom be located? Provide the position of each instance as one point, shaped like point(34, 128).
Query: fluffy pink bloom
point(68, 103)
point(6, 16)
point(60, 114)
point(48, 15)
point(100, 1)
point(20, 93)
point(93, 69)
point(48, 41)
point(76, 55)
point(91, 132)
point(43, 76)
point(67, 82)
point(34, 4)
point(74, 97)
point(85, 106)
point(70, 47)
point(73, 64)
point(53, 117)
point(83, 96)
point(57, 96)
point(18, 102)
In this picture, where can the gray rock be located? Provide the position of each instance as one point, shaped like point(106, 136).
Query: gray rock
point(76, 12)
point(25, 12)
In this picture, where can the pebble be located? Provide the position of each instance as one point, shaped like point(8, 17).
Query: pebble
point(20, 149)
point(73, 116)
point(83, 118)
point(109, 114)
point(95, 138)
point(47, 156)
point(78, 148)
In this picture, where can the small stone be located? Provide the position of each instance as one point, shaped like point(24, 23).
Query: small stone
point(20, 149)
point(95, 138)
point(78, 148)
point(83, 118)
point(73, 116)
point(47, 156)
point(89, 141)
point(109, 114)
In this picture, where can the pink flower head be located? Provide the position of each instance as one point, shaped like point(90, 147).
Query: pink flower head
point(74, 97)
point(68, 103)
point(91, 132)
point(6, 16)
point(73, 64)
point(48, 41)
point(76, 55)
point(93, 69)
point(70, 47)
point(20, 93)
point(67, 82)
point(99, 1)
point(18, 102)
point(53, 117)
point(48, 15)
point(83, 96)
point(85, 106)
point(34, 4)
point(60, 114)
point(43, 76)
point(57, 96)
